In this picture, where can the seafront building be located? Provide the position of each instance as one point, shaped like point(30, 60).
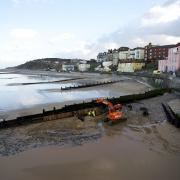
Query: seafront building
point(119, 58)
point(115, 57)
point(130, 60)
point(110, 55)
point(172, 62)
point(68, 67)
point(124, 53)
point(102, 57)
point(139, 53)
point(155, 53)
point(82, 67)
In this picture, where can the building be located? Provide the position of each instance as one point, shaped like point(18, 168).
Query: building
point(130, 67)
point(124, 53)
point(172, 62)
point(153, 53)
point(102, 57)
point(83, 67)
point(115, 54)
point(139, 53)
point(68, 67)
point(110, 55)
point(131, 54)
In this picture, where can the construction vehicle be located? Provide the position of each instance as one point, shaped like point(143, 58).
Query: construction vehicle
point(114, 114)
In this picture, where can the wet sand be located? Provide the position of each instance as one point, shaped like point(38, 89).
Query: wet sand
point(125, 87)
point(113, 157)
point(143, 147)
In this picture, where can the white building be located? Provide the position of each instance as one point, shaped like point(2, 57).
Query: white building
point(139, 53)
point(124, 53)
point(131, 54)
point(115, 56)
point(102, 57)
point(110, 55)
point(83, 67)
point(68, 67)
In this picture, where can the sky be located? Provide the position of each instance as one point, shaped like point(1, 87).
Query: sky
point(32, 29)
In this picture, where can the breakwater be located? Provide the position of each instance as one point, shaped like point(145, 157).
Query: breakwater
point(171, 116)
point(48, 82)
point(88, 85)
point(82, 108)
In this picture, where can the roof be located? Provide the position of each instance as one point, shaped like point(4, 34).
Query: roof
point(123, 48)
point(164, 46)
point(139, 48)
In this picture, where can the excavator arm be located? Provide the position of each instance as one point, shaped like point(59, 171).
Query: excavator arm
point(114, 113)
point(109, 104)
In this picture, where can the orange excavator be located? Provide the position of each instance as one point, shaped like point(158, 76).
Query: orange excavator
point(114, 113)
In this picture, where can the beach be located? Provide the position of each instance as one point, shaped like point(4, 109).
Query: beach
point(29, 92)
point(143, 147)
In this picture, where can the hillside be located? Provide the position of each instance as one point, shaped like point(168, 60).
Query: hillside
point(46, 64)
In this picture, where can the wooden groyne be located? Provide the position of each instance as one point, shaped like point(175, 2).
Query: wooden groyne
point(45, 82)
point(81, 108)
point(88, 85)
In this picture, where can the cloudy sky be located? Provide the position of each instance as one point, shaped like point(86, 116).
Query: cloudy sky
point(33, 29)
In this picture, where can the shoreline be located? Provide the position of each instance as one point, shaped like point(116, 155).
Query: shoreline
point(143, 147)
point(20, 117)
point(114, 90)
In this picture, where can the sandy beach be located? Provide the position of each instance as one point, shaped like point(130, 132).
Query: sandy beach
point(90, 90)
point(140, 148)
point(143, 147)
point(29, 92)
point(117, 157)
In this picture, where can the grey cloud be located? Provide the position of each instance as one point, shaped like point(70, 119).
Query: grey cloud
point(136, 30)
point(167, 3)
point(172, 28)
point(135, 34)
